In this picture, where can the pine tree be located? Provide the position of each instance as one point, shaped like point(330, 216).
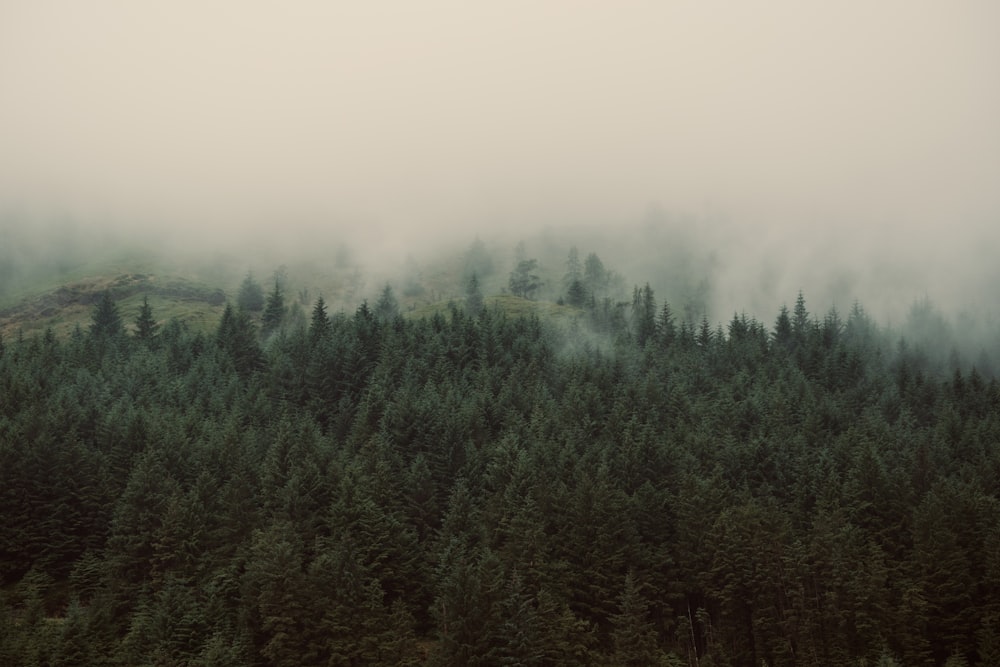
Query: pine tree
point(574, 270)
point(145, 324)
point(277, 593)
point(106, 322)
point(473, 296)
point(387, 307)
point(705, 335)
point(800, 319)
point(524, 280)
point(595, 276)
point(274, 311)
point(666, 326)
point(576, 294)
point(237, 336)
point(319, 325)
point(643, 314)
point(633, 636)
point(524, 643)
point(251, 296)
point(783, 330)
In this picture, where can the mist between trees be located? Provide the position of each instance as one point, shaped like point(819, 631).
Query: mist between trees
point(582, 472)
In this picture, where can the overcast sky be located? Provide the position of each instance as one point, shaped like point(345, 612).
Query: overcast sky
point(794, 119)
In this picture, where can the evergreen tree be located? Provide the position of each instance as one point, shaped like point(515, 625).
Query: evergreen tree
point(521, 627)
point(473, 296)
point(783, 334)
point(800, 319)
point(251, 295)
point(387, 307)
point(106, 322)
point(524, 280)
point(576, 294)
point(705, 335)
point(595, 276)
point(666, 326)
point(237, 336)
point(274, 311)
point(574, 271)
point(633, 636)
point(145, 324)
point(319, 324)
point(643, 314)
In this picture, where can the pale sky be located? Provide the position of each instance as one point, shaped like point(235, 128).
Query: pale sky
point(795, 118)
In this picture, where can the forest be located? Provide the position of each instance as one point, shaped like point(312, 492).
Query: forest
point(473, 486)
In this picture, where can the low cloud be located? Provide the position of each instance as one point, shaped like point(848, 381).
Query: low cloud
point(844, 149)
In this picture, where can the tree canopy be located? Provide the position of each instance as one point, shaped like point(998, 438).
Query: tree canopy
point(477, 488)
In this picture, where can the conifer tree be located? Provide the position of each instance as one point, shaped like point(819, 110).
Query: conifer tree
point(643, 314)
point(145, 324)
point(251, 295)
point(520, 626)
point(595, 276)
point(800, 319)
point(274, 311)
point(106, 321)
point(665, 325)
point(524, 280)
point(473, 296)
point(705, 335)
point(574, 270)
point(783, 330)
point(237, 336)
point(387, 307)
point(576, 294)
point(576, 291)
point(319, 324)
point(633, 636)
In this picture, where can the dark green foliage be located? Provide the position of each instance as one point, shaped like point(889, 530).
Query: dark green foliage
point(473, 296)
point(145, 323)
point(106, 321)
point(274, 310)
point(483, 489)
point(576, 294)
point(634, 637)
point(643, 315)
point(237, 337)
point(387, 307)
point(319, 324)
point(576, 291)
point(251, 295)
point(524, 280)
point(783, 336)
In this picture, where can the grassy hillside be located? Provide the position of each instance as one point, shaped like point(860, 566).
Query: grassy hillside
point(195, 292)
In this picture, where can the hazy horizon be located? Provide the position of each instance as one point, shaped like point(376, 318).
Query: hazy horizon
point(833, 147)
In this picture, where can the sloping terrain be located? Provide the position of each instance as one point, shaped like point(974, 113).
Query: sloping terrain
point(69, 305)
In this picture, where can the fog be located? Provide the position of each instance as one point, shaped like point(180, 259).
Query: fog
point(850, 149)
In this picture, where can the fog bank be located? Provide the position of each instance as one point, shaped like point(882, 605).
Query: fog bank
point(851, 149)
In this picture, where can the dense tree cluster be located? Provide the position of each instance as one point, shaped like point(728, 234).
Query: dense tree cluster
point(486, 490)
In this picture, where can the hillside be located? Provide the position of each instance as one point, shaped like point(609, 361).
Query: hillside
point(195, 291)
point(447, 489)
